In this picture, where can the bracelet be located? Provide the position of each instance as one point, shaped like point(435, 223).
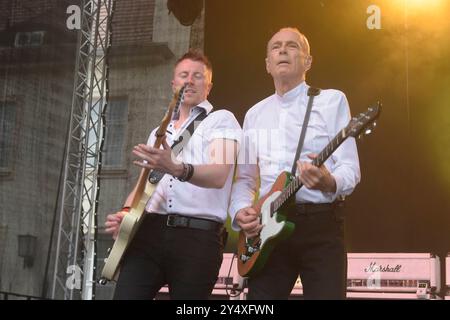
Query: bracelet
point(188, 172)
point(191, 172)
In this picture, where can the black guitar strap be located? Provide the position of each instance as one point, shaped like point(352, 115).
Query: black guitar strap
point(179, 144)
point(312, 92)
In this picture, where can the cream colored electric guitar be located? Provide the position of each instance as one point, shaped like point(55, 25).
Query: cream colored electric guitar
point(141, 194)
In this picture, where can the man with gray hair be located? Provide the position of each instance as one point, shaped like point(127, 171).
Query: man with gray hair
point(315, 250)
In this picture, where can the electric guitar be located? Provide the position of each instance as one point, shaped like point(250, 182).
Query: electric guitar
point(141, 194)
point(254, 252)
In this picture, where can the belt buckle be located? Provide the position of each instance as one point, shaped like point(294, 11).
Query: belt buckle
point(170, 221)
point(177, 221)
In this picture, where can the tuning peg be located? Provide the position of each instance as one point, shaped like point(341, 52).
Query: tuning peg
point(375, 124)
point(368, 131)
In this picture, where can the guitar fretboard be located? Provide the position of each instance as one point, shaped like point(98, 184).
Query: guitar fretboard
point(295, 183)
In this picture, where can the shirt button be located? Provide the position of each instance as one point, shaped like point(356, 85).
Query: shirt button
point(170, 206)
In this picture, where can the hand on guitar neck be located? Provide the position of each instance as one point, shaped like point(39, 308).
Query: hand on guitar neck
point(113, 222)
point(315, 178)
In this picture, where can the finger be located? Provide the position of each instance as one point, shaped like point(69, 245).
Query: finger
point(110, 224)
point(113, 217)
point(143, 165)
point(312, 156)
point(314, 174)
point(110, 230)
point(249, 218)
point(251, 211)
point(250, 226)
point(305, 180)
point(165, 144)
point(311, 184)
point(143, 148)
point(140, 154)
point(309, 171)
point(121, 214)
point(146, 155)
point(245, 224)
point(255, 232)
point(256, 228)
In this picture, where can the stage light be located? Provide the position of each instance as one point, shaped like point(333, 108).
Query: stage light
point(420, 6)
point(423, 4)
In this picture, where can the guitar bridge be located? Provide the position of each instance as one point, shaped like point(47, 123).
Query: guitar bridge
point(251, 249)
point(244, 258)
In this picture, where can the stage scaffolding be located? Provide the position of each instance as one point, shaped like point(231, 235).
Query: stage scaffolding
point(74, 275)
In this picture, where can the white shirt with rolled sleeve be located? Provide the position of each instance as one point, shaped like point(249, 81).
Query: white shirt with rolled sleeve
point(174, 196)
point(271, 132)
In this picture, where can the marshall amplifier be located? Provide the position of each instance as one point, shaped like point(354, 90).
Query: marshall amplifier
point(390, 276)
point(393, 276)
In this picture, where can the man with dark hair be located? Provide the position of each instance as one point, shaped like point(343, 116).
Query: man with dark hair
point(316, 249)
point(181, 240)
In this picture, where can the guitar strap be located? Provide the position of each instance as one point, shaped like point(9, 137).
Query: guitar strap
point(312, 92)
point(179, 144)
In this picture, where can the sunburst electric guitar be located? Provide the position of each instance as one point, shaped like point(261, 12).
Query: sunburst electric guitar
point(141, 194)
point(253, 252)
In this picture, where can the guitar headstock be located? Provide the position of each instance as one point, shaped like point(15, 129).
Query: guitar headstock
point(172, 110)
point(178, 97)
point(364, 123)
point(177, 100)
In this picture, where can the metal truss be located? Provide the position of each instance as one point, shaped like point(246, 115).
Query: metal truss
point(75, 262)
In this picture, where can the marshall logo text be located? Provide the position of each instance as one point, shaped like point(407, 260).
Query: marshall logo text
point(374, 268)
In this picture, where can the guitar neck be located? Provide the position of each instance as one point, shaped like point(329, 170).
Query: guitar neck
point(295, 184)
point(160, 133)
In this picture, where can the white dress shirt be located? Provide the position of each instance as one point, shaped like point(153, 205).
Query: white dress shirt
point(174, 196)
point(271, 133)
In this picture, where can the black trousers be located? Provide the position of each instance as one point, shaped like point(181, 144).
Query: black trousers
point(186, 259)
point(315, 251)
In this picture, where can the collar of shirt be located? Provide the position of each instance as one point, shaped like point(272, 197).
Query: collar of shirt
point(289, 97)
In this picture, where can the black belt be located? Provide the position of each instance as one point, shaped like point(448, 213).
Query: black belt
point(178, 221)
point(313, 208)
